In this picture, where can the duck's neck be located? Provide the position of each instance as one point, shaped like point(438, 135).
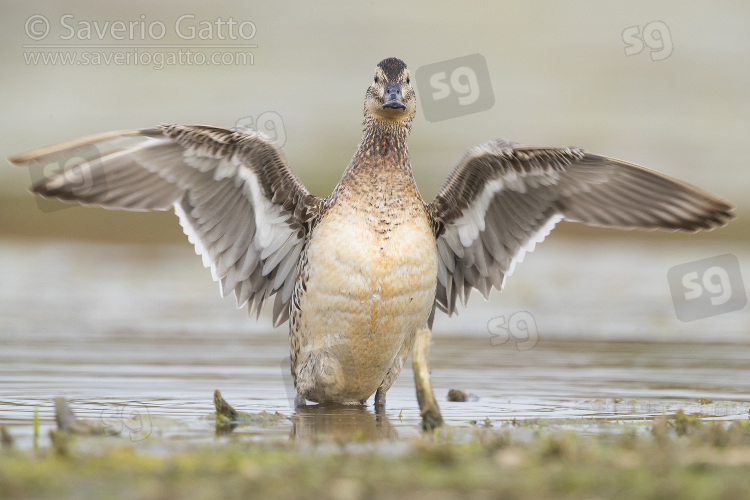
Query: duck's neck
point(379, 176)
point(382, 152)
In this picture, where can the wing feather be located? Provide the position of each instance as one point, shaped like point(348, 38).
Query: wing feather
point(237, 199)
point(503, 198)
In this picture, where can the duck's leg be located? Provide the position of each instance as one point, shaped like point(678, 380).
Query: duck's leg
point(429, 409)
point(379, 399)
point(393, 372)
point(299, 400)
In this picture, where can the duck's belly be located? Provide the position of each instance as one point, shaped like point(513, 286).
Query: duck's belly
point(365, 295)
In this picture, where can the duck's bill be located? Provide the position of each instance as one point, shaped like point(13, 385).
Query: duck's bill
point(394, 104)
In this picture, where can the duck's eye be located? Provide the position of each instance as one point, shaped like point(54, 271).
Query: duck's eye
point(407, 80)
point(376, 79)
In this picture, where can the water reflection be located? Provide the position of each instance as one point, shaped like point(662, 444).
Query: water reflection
point(341, 423)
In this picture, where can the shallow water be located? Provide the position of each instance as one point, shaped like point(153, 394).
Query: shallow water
point(125, 331)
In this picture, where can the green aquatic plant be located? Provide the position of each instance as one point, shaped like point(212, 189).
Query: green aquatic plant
point(36, 427)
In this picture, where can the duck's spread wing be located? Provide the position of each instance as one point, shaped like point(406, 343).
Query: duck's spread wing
point(503, 198)
point(237, 199)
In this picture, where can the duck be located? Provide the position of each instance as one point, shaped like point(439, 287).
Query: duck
point(360, 274)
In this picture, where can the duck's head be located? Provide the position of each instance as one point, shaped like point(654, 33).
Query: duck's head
point(390, 97)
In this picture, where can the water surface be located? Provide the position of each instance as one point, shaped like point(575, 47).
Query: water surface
point(140, 330)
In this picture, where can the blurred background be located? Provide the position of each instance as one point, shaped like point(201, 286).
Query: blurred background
point(560, 75)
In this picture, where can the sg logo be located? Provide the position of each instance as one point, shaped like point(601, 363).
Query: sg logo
point(81, 169)
point(463, 80)
point(707, 287)
point(133, 418)
point(715, 281)
point(520, 326)
point(655, 36)
point(453, 88)
point(269, 123)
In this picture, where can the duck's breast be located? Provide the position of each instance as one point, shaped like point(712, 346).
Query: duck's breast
point(370, 283)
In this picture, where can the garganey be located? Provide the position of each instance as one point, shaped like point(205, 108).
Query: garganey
point(359, 273)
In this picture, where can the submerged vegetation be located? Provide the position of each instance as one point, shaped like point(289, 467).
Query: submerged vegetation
point(675, 456)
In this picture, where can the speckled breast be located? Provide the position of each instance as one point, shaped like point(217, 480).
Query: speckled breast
point(370, 284)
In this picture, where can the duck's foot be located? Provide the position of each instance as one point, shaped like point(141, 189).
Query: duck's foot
point(431, 418)
point(429, 409)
